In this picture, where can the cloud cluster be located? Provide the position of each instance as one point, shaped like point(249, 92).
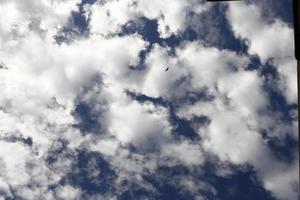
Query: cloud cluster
point(108, 18)
point(265, 41)
point(81, 120)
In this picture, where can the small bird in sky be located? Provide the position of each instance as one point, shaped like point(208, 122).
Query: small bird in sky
point(167, 69)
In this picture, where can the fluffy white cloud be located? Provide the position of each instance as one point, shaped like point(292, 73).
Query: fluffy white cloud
point(188, 154)
point(269, 41)
point(245, 91)
point(23, 172)
point(109, 17)
point(143, 125)
point(233, 135)
point(19, 17)
point(193, 68)
point(283, 182)
point(43, 83)
point(40, 87)
point(13, 165)
point(235, 116)
point(156, 82)
point(68, 192)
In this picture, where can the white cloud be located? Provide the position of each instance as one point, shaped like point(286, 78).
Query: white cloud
point(4, 189)
point(208, 65)
point(13, 165)
point(188, 154)
point(19, 17)
point(39, 91)
point(106, 146)
point(269, 41)
point(193, 68)
point(68, 192)
point(171, 15)
point(143, 125)
point(44, 82)
point(245, 91)
point(247, 22)
point(283, 182)
point(233, 135)
point(235, 115)
point(157, 82)
point(109, 17)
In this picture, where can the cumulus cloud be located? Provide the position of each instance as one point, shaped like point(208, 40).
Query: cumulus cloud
point(19, 17)
point(126, 120)
point(109, 17)
point(68, 192)
point(188, 154)
point(265, 41)
point(98, 117)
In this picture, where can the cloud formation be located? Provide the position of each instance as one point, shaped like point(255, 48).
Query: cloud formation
point(96, 116)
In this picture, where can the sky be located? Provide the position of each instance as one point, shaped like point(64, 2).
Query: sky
point(88, 110)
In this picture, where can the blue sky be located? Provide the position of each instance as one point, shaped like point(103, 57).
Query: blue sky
point(88, 111)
